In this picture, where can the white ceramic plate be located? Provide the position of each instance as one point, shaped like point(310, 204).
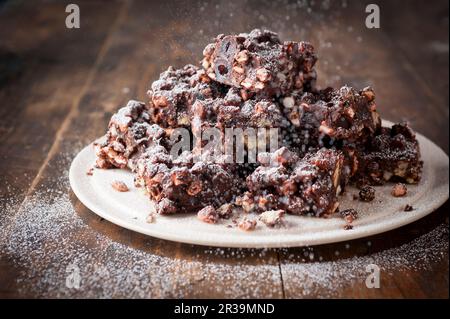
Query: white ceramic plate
point(130, 209)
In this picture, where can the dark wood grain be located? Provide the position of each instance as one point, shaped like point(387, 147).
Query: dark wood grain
point(38, 83)
point(44, 72)
point(59, 87)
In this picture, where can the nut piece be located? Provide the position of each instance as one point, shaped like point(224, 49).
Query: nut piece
point(367, 194)
point(208, 215)
point(225, 211)
point(399, 190)
point(272, 218)
point(247, 224)
point(242, 56)
point(120, 186)
point(166, 207)
point(349, 215)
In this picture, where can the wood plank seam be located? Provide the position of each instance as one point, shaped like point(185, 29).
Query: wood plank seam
point(281, 275)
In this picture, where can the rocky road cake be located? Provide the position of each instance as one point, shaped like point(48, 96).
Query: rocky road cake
point(326, 138)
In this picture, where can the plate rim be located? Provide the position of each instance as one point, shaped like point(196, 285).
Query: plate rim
point(269, 242)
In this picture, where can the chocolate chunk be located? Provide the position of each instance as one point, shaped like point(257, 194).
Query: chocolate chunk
point(90, 171)
point(259, 63)
point(225, 211)
point(391, 155)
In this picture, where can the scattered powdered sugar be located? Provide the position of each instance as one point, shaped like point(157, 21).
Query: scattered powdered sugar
point(51, 245)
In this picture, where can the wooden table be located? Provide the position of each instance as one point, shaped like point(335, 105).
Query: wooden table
point(59, 87)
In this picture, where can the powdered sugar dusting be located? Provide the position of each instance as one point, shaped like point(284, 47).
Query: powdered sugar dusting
point(46, 237)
